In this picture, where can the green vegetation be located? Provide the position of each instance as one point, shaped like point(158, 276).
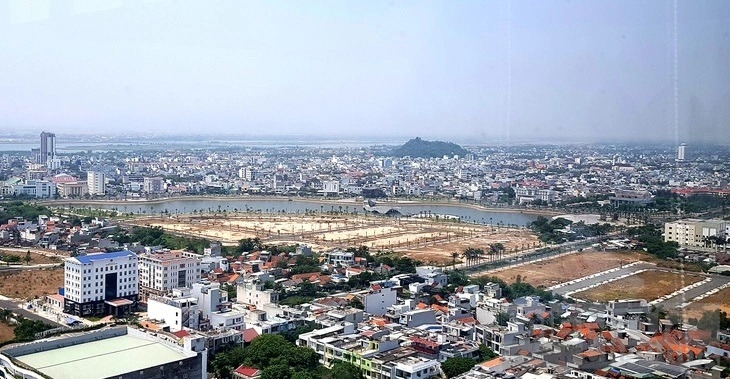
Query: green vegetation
point(156, 236)
point(26, 210)
point(278, 358)
point(25, 329)
point(456, 366)
point(418, 148)
point(401, 264)
point(651, 237)
point(549, 230)
point(517, 289)
point(712, 321)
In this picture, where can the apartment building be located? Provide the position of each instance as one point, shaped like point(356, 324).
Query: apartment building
point(153, 185)
point(101, 283)
point(377, 354)
point(160, 272)
point(96, 181)
point(692, 232)
point(252, 292)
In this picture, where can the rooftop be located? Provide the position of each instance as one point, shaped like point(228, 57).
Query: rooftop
point(89, 258)
point(107, 357)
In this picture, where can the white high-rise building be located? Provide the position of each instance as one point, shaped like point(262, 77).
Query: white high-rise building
point(681, 151)
point(160, 273)
point(101, 283)
point(96, 181)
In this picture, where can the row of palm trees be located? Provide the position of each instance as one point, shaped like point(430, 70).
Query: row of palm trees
point(474, 255)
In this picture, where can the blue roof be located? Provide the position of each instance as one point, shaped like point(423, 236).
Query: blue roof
point(85, 259)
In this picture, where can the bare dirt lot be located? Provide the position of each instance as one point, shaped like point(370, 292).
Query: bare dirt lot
point(428, 240)
point(720, 300)
point(27, 284)
point(7, 332)
point(562, 269)
point(647, 285)
point(36, 257)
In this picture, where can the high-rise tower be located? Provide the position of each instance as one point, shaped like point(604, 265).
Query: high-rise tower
point(681, 152)
point(48, 147)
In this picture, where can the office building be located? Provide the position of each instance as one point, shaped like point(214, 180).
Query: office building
point(101, 283)
point(119, 352)
point(95, 180)
point(48, 147)
point(161, 272)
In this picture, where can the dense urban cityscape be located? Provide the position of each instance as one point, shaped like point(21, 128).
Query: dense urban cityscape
point(503, 189)
point(384, 261)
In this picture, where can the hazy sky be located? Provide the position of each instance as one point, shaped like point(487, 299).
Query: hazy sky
point(581, 70)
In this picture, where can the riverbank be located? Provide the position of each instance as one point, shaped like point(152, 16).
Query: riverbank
point(333, 202)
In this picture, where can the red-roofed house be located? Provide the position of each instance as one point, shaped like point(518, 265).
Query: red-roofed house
point(245, 372)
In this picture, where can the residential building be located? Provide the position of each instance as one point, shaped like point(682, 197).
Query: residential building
point(101, 283)
point(252, 292)
point(695, 232)
point(96, 181)
point(340, 258)
point(177, 311)
point(160, 272)
point(153, 185)
point(378, 299)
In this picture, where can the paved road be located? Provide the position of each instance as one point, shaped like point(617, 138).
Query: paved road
point(15, 307)
point(717, 281)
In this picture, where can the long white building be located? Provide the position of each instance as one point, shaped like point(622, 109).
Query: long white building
point(695, 232)
point(161, 272)
point(101, 283)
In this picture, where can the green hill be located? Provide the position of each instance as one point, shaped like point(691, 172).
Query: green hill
point(418, 148)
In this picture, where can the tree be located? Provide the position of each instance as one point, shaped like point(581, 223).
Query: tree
point(456, 366)
point(265, 348)
point(485, 353)
point(344, 370)
point(454, 255)
point(502, 318)
point(279, 371)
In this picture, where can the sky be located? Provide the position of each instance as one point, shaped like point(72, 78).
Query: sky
point(477, 70)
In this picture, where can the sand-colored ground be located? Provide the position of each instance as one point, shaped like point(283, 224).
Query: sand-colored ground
point(427, 240)
point(565, 268)
point(647, 285)
point(35, 257)
point(27, 284)
point(7, 332)
point(720, 300)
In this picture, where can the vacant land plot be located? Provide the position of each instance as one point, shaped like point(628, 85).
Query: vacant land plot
point(647, 285)
point(7, 332)
point(427, 240)
point(27, 284)
point(562, 269)
point(35, 257)
point(720, 300)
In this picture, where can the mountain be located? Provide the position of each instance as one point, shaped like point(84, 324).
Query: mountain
point(418, 148)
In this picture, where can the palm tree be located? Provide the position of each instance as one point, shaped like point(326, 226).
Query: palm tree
point(454, 255)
